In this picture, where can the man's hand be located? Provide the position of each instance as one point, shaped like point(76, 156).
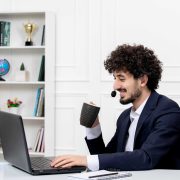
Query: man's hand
point(67, 161)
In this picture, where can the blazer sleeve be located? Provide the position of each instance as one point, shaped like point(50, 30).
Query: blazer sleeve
point(97, 146)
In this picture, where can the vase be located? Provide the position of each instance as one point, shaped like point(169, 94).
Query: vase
point(21, 76)
point(14, 110)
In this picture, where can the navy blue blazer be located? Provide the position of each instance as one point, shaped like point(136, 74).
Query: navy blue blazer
point(157, 139)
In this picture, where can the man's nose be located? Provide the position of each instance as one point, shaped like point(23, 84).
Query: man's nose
point(116, 84)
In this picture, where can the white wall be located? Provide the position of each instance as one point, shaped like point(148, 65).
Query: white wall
point(87, 31)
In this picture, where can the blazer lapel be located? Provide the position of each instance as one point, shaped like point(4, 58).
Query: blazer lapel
point(148, 108)
point(123, 135)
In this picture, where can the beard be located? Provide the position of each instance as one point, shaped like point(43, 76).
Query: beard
point(132, 98)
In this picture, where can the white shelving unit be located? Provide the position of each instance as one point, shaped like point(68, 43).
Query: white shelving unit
point(31, 56)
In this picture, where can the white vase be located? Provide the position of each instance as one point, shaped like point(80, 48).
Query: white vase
point(21, 76)
point(14, 110)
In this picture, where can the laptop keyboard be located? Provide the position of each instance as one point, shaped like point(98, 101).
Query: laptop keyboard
point(43, 163)
point(40, 163)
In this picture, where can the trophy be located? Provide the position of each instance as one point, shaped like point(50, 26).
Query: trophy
point(29, 28)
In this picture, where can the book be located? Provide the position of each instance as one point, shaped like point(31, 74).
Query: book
point(36, 140)
point(40, 106)
point(40, 140)
point(43, 36)
point(42, 145)
point(5, 33)
point(36, 101)
point(41, 76)
point(1, 32)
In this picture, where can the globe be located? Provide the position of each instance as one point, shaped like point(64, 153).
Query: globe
point(4, 68)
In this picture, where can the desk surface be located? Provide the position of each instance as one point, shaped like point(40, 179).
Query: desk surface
point(7, 172)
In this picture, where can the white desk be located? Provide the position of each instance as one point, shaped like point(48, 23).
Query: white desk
point(7, 172)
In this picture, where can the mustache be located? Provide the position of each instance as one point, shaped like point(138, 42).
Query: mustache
point(121, 90)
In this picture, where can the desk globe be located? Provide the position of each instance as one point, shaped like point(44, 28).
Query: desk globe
point(4, 68)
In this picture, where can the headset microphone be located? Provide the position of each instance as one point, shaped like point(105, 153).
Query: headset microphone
point(113, 93)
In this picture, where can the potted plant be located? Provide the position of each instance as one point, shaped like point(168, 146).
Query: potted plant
point(22, 67)
point(21, 75)
point(13, 105)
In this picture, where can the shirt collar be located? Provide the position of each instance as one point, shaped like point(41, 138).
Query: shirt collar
point(137, 113)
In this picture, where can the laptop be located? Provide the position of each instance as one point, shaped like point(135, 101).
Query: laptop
point(15, 151)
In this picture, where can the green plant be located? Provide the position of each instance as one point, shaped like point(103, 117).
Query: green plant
point(22, 67)
point(13, 103)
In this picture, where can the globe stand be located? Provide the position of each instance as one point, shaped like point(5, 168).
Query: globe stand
point(1, 79)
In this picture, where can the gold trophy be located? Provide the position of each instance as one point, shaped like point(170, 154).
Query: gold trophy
point(29, 28)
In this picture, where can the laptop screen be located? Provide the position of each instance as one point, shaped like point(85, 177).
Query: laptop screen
point(13, 141)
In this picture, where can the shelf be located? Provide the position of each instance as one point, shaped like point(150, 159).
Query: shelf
point(21, 13)
point(22, 47)
point(22, 83)
point(33, 118)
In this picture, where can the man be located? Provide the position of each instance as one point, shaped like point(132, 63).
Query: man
point(147, 134)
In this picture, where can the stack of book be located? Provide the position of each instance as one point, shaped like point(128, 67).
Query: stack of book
point(5, 33)
point(39, 141)
point(39, 103)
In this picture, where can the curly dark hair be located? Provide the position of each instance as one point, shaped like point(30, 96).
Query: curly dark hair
point(138, 60)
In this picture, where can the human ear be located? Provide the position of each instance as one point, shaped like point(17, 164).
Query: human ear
point(144, 80)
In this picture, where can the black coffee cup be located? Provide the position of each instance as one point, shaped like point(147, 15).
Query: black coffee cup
point(88, 115)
